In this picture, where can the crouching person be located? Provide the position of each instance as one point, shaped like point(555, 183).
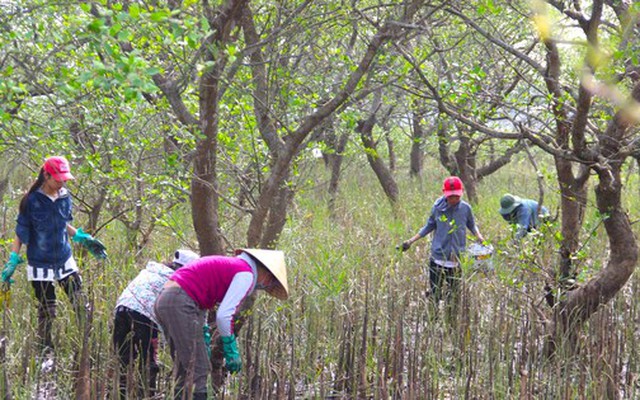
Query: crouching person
point(135, 328)
point(525, 214)
point(211, 281)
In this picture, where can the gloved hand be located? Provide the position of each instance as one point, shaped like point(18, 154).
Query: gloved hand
point(10, 267)
point(206, 333)
point(231, 354)
point(95, 247)
point(405, 245)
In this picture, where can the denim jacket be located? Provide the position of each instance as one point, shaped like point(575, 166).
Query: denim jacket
point(42, 227)
point(449, 224)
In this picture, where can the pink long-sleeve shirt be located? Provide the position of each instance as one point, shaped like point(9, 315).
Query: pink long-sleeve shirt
point(225, 281)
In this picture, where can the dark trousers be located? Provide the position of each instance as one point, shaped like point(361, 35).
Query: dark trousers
point(437, 277)
point(136, 336)
point(46, 295)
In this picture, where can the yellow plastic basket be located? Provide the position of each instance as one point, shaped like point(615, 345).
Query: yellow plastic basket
point(482, 256)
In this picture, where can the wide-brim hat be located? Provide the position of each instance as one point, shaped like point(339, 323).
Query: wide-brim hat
point(273, 261)
point(508, 203)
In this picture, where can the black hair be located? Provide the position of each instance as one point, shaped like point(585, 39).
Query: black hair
point(35, 186)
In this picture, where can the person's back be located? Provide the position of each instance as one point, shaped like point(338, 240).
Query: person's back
point(208, 279)
point(141, 293)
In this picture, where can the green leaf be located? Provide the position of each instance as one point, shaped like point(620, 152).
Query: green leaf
point(125, 35)
point(115, 28)
point(99, 66)
point(159, 16)
point(96, 25)
point(134, 10)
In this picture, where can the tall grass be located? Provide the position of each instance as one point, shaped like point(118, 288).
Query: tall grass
point(358, 323)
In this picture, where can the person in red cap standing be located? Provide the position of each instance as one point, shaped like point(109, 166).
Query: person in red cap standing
point(220, 282)
point(450, 217)
point(43, 225)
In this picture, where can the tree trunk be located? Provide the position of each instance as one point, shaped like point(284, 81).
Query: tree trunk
point(581, 303)
point(383, 173)
point(335, 165)
point(277, 217)
point(266, 198)
point(392, 154)
point(417, 154)
point(573, 200)
point(466, 171)
point(204, 185)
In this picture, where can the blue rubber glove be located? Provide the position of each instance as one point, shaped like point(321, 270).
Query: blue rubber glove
point(231, 354)
point(95, 247)
point(10, 267)
point(206, 333)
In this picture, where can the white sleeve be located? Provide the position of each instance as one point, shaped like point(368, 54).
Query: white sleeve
point(239, 289)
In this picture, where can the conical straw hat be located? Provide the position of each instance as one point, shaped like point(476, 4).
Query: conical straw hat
point(273, 261)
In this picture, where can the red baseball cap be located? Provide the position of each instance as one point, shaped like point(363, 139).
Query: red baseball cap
point(452, 186)
point(58, 167)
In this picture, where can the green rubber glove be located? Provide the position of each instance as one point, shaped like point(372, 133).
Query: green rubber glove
point(206, 333)
point(10, 267)
point(231, 354)
point(95, 247)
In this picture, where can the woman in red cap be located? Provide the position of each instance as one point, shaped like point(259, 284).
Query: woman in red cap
point(43, 225)
point(450, 217)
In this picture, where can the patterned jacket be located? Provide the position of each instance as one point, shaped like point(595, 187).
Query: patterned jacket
point(141, 293)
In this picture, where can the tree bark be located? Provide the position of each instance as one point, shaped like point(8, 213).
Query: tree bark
point(335, 163)
point(277, 217)
point(383, 173)
point(392, 153)
point(465, 162)
point(417, 141)
point(204, 185)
